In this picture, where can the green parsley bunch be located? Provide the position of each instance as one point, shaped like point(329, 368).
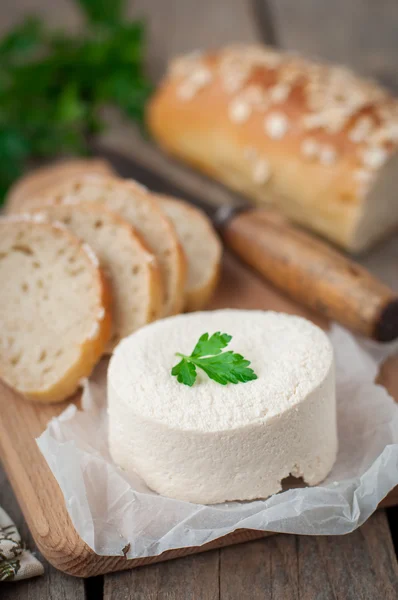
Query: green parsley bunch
point(53, 84)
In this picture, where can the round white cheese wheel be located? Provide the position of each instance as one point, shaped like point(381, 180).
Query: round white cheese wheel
point(211, 443)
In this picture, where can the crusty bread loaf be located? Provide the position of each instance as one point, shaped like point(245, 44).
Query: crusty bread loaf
point(42, 179)
point(201, 246)
point(136, 206)
point(54, 309)
point(131, 269)
point(315, 140)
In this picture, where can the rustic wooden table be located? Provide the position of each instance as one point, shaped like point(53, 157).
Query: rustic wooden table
point(359, 566)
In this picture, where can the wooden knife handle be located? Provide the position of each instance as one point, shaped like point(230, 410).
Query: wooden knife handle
point(313, 273)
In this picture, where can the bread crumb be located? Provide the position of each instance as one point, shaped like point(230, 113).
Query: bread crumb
point(255, 96)
point(327, 155)
point(310, 148)
point(197, 79)
point(94, 331)
point(239, 111)
point(276, 125)
point(362, 175)
point(91, 254)
point(249, 153)
point(360, 130)
point(183, 65)
point(374, 157)
point(261, 171)
point(279, 93)
point(393, 132)
point(314, 121)
point(70, 200)
point(59, 225)
point(25, 217)
point(140, 187)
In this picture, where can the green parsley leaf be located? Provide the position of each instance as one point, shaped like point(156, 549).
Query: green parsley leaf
point(222, 367)
point(185, 372)
point(211, 345)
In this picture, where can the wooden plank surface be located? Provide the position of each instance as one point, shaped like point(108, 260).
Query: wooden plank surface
point(358, 566)
point(273, 571)
point(53, 584)
point(193, 577)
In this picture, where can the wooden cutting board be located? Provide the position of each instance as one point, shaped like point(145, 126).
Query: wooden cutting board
point(37, 491)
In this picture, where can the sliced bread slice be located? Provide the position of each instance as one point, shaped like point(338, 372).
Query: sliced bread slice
point(54, 309)
point(136, 206)
point(202, 248)
point(42, 179)
point(130, 267)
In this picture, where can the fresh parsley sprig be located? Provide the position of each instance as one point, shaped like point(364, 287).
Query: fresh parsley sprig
point(222, 367)
point(55, 84)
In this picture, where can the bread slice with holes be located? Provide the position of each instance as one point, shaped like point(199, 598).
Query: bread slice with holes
point(43, 179)
point(130, 267)
point(202, 248)
point(136, 206)
point(55, 309)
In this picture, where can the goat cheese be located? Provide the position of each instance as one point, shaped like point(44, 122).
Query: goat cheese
point(211, 443)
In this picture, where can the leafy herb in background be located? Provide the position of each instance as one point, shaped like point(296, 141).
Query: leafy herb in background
point(223, 367)
point(53, 84)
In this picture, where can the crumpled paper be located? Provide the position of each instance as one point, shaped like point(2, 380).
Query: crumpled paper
point(117, 514)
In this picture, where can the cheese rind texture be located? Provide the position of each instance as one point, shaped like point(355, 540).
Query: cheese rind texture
point(211, 443)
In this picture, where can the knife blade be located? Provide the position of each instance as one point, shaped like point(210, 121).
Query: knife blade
point(128, 168)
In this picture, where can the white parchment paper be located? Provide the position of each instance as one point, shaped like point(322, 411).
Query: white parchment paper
point(112, 511)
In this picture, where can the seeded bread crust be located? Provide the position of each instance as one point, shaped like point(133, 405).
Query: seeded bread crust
point(132, 270)
point(315, 140)
point(89, 347)
point(202, 248)
point(42, 179)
